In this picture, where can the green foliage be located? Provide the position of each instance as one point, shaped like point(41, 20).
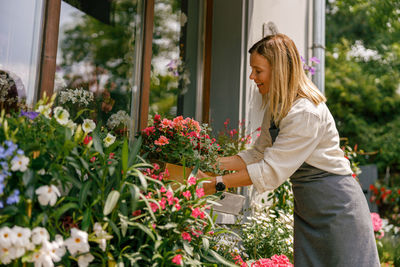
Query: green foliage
point(268, 233)
point(124, 211)
point(362, 76)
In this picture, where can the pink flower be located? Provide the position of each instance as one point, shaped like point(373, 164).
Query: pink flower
point(162, 189)
point(186, 236)
point(281, 260)
point(154, 206)
point(200, 192)
point(192, 180)
point(162, 141)
point(154, 226)
point(197, 213)
point(162, 203)
point(149, 130)
point(166, 123)
point(187, 194)
point(177, 206)
point(177, 259)
point(376, 221)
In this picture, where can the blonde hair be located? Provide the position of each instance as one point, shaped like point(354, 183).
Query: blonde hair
point(288, 80)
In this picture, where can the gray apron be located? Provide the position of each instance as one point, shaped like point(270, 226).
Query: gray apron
point(332, 221)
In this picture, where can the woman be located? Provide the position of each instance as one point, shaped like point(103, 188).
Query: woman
point(299, 139)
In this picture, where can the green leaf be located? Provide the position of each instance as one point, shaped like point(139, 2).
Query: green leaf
point(111, 202)
point(135, 150)
point(115, 229)
point(60, 211)
point(97, 142)
point(86, 220)
point(144, 229)
point(221, 259)
point(188, 248)
point(141, 177)
point(27, 177)
point(124, 156)
point(84, 192)
point(206, 243)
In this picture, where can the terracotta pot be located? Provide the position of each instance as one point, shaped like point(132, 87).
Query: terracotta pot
point(177, 172)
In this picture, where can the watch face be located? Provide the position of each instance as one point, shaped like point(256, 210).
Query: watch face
point(220, 186)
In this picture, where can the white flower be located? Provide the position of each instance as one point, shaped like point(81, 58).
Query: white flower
point(7, 254)
point(61, 115)
point(7, 237)
point(22, 236)
point(102, 235)
point(72, 125)
point(42, 258)
point(40, 235)
point(57, 248)
point(18, 251)
point(88, 125)
point(84, 260)
point(47, 195)
point(78, 242)
point(121, 117)
point(44, 110)
point(109, 140)
point(19, 163)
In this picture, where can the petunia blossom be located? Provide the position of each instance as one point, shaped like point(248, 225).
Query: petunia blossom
point(88, 126)
point(78, 242)
point(109, 140)
point(47, 195)
point(19, 163)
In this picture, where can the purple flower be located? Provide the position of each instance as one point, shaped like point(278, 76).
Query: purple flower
point(315, 60)
point(14, 198)
point(302, 59)
point(312, 70)
point(29, 114)
point(2, 188)
point(1, 204)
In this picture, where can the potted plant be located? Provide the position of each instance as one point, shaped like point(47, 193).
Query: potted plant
point(179, 145)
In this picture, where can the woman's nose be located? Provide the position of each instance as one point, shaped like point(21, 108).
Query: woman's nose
point(251, 76)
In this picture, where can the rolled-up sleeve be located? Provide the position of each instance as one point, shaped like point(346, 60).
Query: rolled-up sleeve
point(299, 135)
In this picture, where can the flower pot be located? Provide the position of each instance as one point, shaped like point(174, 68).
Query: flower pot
point(177, 172)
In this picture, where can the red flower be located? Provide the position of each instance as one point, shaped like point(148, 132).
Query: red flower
point(186, 236)
point(136, 213)
point(162, 141)
point(87, 139)
point(157, 118)
point(177, 259)
point(354, 175)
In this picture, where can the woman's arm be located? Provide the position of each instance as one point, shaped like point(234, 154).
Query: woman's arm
point(237, 179)
point(234, 163)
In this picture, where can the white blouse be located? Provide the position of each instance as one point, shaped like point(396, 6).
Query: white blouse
point(307, 134)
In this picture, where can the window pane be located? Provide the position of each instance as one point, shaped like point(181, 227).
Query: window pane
point(20, 31)
point(169, 78)
point(96, 53)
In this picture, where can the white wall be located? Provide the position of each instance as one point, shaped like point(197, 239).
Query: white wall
point(293, 18)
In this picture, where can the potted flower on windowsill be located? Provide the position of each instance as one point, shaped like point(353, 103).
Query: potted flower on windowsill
point(180, 142)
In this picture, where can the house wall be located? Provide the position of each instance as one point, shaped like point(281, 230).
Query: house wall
point(291, 17)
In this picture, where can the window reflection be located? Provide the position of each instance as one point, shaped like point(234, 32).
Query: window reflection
point(169, 77)
point(96, 53)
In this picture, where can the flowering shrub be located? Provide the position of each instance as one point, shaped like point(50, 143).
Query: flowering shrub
point(232, 141)
point(274, 261)
point(267, 233)
point(377, 225)
point(388, 200)
point(72, 193)
point(180, 141)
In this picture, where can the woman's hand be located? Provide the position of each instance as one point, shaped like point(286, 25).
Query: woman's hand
point(208, 185)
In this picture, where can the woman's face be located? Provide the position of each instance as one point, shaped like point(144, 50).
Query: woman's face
point(260, 72)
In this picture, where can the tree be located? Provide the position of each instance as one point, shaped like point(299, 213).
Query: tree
point(363, 74)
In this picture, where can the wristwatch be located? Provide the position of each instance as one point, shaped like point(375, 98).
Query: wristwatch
point(219, 184)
